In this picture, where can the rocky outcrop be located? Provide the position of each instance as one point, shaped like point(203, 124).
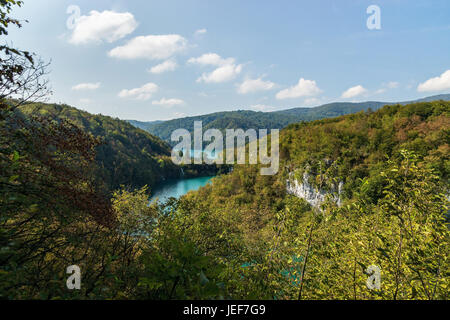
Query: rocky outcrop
point(313, 195)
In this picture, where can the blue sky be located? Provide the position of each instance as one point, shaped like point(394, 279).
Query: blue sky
point(157, 60)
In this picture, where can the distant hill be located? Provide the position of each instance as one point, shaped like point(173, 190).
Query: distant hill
point(444, 97)
point(221, 120)
point(331, 110)
point(129, 156)
point(244, 119)
point(143, 125)
point(336, 109)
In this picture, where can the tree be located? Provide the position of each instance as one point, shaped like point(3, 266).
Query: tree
point(21, 73)
point(51, 209)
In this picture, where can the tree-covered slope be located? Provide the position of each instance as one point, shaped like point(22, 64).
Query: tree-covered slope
point(243, 237)
point(395, 165)
point(353, 149)
point(127, 155)
point(358, 145)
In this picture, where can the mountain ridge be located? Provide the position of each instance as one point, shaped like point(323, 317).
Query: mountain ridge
point(247, 119)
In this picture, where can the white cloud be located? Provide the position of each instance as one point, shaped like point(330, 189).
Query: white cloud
point(354, 92)
point(106, 26)
point(200, 31)
point(262, 107)
point(221, 74)
point(86, 86)
point(168, 65)
point(254, 85)
point(303, 88)
point(143, 93)
point(168, 102)
point(154, 47)
point(386, 86)
point(392, 85)
point(227, 69)
point(436, 84)
point(212, 59)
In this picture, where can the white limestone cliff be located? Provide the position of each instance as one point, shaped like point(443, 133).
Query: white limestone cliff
point(314, 196)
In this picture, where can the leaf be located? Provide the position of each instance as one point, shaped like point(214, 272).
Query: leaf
point(15, 156)
point(13, 178)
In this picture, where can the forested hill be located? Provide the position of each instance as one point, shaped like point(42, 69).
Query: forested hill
point(353, 149)
point(394, 164)
point(128, 156)
point(244, 119)
point(336, 109)
point(359, 144)
point(220, 120)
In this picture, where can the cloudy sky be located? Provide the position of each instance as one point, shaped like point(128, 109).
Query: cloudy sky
point(157, 60)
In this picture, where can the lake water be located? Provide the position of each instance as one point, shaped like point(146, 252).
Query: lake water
point(178, 188)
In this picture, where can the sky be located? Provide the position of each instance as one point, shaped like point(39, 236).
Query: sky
point(159, 60)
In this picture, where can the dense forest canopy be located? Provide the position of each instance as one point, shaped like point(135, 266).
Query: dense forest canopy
point(400, 193)
point(359, 144)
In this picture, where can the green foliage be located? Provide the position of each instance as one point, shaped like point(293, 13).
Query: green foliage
point(356, 146)
point(125, 156)
point(404, 234)
point(278, 247)
point(241, 237)
point(174, 267)
point(51, 211)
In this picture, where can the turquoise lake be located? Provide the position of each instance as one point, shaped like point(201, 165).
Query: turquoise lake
point(178, 188)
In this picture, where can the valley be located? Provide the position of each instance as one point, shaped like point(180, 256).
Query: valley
point(343, 201)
